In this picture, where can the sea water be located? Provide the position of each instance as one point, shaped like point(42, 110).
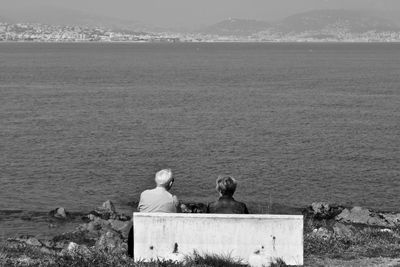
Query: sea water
point(81, 123)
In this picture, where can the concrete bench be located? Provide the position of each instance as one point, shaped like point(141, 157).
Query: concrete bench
point(245, 237)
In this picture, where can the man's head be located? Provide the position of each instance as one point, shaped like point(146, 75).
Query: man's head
point(164, 178)
point(226, 185)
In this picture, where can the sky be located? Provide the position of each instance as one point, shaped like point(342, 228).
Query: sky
point(195, 13)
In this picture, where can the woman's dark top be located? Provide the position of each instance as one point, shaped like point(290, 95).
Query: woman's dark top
point(227, 205)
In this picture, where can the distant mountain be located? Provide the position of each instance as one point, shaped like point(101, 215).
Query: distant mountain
point(316, 21)
point(352, 21)
point(238, 27)
point(61, 16)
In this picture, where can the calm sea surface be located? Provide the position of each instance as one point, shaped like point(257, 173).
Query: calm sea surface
point(294, 123)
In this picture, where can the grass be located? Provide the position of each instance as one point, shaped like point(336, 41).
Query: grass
point(364, 243)
point(368, 242)
point(213, 260)
point(23, 255)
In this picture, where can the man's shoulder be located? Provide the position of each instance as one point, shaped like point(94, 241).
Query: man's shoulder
point(147, 191)
point(156, 192)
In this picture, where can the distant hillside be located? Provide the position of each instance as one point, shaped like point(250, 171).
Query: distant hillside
point(63, 16)
point(317, 20)
point(238, 27)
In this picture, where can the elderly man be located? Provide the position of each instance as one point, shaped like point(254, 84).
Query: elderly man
point(158, 199)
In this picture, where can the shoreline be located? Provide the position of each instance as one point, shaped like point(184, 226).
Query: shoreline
point(42, 224)
point(203, 42)
point(334, 235)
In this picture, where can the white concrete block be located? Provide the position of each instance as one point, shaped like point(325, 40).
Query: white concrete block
point(257, 238)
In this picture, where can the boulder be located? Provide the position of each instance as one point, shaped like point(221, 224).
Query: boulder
point(110, 241)
point(359, 215)
point(74, 248)
point(59, 213)
point(105, 211)
point(28, 240)
point(123, 217)
point(185, 209)
point(46, 250)
point(193, 208)
point(392, 219)
point(121, 227)
point(343, 230)
point(322, 210)
point(33, 242)
point(108, 206)
point(54, 245)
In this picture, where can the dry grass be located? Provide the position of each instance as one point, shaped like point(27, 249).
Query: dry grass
point(368, 242)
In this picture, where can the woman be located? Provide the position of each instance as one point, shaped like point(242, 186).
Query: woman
point(226, 186)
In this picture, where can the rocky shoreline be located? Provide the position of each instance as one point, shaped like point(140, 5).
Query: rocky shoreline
point(105, 229)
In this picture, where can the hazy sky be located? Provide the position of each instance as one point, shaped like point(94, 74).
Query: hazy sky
point(200, 12)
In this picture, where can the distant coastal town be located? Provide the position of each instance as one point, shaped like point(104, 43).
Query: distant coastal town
point(36, 32)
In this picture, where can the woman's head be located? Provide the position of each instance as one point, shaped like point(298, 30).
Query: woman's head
point(226, 185)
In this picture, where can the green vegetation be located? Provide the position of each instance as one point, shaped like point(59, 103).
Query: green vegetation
point(364, 243)
point(24, 255)
point(368, 242)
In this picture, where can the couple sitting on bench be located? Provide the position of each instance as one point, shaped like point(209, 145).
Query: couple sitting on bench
point(160, 199)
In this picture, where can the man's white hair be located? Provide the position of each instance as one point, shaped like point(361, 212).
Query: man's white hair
point(163, 177)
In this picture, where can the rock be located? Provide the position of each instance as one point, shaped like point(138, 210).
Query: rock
point(59, 213)
point(110, 242)
point(91, 227)
point(392, 219)
point(185, 209)
point(77, 236)
point(33, 242)
point(28, 240)
point(92, 217)
point(322, 232)
point(122, 227)
point(74, 248)
point(193, 208)
point(105, 212)
point(49, 244)
point(123, 217)
point(108, 206)
point(359, 215)
point(60, 245)
point(320, 207)
point(46, 250)
point(322, 210)
point(342, 230)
